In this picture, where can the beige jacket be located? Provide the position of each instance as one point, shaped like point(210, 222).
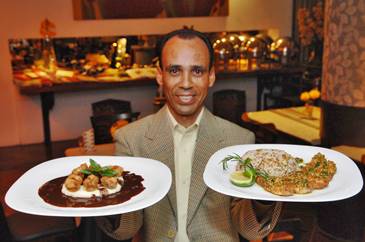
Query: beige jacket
point(211, 216)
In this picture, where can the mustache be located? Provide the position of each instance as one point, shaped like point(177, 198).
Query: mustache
point(185, 91)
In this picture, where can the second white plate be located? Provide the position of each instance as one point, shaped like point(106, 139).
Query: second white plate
point(23, 194)
point(346, 183)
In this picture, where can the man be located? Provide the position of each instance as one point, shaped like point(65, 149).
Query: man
point(183, 135)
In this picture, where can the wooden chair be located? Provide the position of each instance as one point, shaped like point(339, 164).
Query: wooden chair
point(110, 107)
point(102, 124)
point(229, 104)
point(284, 90)
point(106, 113)
point(21, 227)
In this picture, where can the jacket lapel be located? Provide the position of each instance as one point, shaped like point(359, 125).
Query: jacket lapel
point(161, 148)
point(208, 142)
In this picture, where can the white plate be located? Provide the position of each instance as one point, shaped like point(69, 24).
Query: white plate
point(346, 183)
point(23, 194)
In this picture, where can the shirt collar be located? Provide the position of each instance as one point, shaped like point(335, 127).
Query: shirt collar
point(175, 124)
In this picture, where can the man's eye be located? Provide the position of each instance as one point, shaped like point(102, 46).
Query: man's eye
point(198, 71)
point(174, 71)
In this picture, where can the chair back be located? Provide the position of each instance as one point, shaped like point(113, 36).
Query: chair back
point(102, 124)
point(283, 89)
point(229, 104)
point(110, 107)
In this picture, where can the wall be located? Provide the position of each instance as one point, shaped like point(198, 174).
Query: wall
point(21, 115)
point(343, 81)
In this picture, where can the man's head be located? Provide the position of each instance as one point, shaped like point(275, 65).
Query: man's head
point(187, 34)
point(186, 72)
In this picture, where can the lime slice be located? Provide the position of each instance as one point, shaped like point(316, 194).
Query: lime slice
point(240, 179)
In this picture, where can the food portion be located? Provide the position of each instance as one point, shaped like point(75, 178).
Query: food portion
point(273, 162)
point(280, 173)
point(92, 186)
point(314, 175)
point(94, 180)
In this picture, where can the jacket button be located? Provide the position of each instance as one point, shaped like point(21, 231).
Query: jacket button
point(171, 233)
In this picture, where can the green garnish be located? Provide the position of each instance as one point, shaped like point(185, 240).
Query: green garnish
point(234, 157)
point(241, 179)
point(248, 170)
point(299, 160)
point(98, 170)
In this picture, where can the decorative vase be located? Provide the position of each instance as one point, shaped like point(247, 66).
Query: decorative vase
point(308, 111)
point(49, 55)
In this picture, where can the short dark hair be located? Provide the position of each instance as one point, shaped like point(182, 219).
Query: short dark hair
point(186, 34)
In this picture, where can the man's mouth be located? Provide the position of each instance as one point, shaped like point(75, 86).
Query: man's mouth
point(185, 99)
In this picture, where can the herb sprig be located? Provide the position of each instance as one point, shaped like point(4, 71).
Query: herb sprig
point(98, 170)
point(248, 167)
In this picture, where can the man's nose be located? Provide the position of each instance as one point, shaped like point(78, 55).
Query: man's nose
point(186, 81)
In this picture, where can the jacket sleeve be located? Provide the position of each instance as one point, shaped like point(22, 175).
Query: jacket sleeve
point(124, 226)
point(253, 219)
point(121, 144)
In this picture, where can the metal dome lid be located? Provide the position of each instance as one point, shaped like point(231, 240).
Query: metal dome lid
point(283, 46)
point(223, 48)
point(265, 37)
point(256, 48)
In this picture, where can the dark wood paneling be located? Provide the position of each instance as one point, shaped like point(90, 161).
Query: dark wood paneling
point(342, 125)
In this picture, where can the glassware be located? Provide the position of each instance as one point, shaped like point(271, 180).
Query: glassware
point(49, 56)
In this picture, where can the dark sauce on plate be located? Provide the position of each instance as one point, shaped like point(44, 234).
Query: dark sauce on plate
point(51, 193)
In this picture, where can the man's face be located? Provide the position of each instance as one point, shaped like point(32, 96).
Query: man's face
point(185, 77)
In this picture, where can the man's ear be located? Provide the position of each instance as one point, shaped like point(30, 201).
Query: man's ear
point(211, 76)
point(159, 76)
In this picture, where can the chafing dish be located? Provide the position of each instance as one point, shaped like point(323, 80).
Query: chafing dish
point(256, 48)
point(283, 49)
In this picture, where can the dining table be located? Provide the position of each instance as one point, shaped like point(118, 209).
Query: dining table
point(295, 122)
point(356, 153)
point(291, 121)
point(98, 149)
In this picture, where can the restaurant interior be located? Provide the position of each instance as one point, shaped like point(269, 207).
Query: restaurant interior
point(73, 72)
